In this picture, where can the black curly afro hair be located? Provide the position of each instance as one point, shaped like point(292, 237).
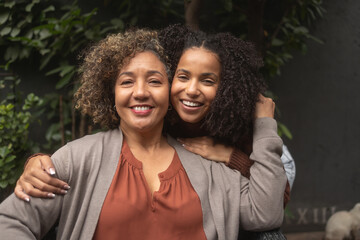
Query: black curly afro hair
point(231, 113)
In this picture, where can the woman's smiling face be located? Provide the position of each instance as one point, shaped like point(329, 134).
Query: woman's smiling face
point(195, 84)
point(142, 93)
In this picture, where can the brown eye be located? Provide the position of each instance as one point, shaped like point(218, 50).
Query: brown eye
point(208, 82)
point(183, 77)
point(126, 82)
point(155, 81)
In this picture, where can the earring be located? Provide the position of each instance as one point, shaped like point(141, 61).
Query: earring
point(170, 107)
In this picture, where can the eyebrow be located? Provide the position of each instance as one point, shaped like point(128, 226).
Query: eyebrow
point(202, 74)
point(150, 72)
point(183, 70)
point(210, 74)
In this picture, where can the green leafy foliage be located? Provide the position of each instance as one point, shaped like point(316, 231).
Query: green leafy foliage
point(51, 35)
point(15, 118)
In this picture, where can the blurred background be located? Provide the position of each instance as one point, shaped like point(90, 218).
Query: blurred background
point(311, 52)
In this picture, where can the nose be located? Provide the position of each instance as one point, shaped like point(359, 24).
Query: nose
point(192, 88)
point(140, 90)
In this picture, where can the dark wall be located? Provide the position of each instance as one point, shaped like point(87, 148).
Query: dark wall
point(320, 103)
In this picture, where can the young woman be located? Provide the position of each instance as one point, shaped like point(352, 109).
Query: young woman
point(202, 104)
point(132, 175)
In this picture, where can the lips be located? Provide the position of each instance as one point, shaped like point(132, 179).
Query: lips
point(194, 104)
point(141, 109)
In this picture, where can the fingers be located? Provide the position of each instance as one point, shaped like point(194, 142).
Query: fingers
point(22, 187)
point(205, 147)
point(30, 190)
point(195, 149)
point(37, 173)
point(196, 145)
point(47, 164)
point(41, 181)
point(265, 107)
point(36, 181)
point(21, 194)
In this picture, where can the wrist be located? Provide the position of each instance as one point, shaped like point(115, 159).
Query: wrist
point(35, 155)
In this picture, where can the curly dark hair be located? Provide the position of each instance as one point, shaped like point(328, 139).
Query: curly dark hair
point(101, 66)
point(231, 113)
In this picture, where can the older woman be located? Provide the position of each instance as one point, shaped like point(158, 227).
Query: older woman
point(148, 182)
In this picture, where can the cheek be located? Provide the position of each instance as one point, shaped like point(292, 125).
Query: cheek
point(174, 87)
point(163, 96)
point(210, 95)
point(173, 92)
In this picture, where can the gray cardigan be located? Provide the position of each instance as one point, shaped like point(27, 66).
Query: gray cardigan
point(228, 200)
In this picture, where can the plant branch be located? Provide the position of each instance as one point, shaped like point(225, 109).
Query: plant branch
point(73, 120)
point(255, 23)
point(192, 12)
point(61, 114)
point(278, 27)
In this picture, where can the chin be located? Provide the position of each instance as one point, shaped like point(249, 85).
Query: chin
point(190, 119)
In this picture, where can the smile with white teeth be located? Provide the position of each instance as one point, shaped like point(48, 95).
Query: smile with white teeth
point(190, 104)
point(141, 108)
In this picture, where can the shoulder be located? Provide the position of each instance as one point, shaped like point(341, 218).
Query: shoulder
point(92, 140)
point(201, 168)
point(83, 151)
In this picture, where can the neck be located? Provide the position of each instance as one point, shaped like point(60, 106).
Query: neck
point(185, 129)
point(145, 140)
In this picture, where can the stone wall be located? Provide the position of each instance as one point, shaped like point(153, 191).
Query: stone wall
point(320, 103)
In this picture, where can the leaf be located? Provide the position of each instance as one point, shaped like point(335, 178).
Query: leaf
point(49, 9)
point(277, 42)
point(9, 4)
point(15, 32)
point(54, 71)
point(9, 158)
point(5, 31)
point(24, 53)
point(46, 60)
point(89, 34)
point(4, 17)
point(66, 69)
point(44, 33)
point(302, 30)
point(228, 5)
point(117, 22)
point(3, 184)
point(316, 39)
point(30, 5)
point(44, 51)
point(65, 80)
point(11, 53)
point(284, 130)
point(4, 151)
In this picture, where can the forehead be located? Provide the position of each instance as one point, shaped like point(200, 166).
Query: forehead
point(144, 60)
point(200, 58)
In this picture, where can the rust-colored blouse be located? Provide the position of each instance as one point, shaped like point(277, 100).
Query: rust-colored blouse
point(131, 212)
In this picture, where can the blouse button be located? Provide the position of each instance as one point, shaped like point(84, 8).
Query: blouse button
point(161, 175)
